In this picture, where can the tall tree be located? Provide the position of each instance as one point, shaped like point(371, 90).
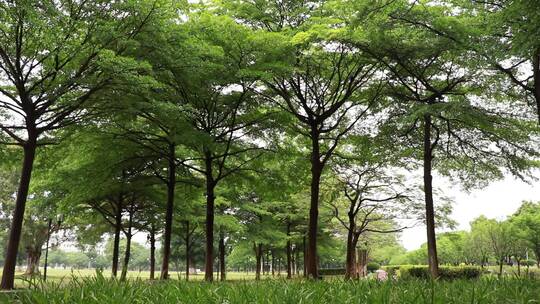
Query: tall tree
point(54, 55)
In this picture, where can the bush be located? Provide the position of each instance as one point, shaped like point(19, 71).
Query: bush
point(372, 266)
point(445, 272)
point(332, 271)
point(391, 269)
point(528, 263)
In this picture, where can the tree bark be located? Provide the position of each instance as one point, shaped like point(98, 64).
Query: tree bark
point(258, 257)
point(171, 183)
point(222, 256)
point(316, 172)
point(304, 253)
point(152, 252)
point(350, 259)
point(33, 255)
point(428, 190)
point(536, 77)
point(188, 250)
point(117, 230)
point(288, 250)
point(210, 201)
point(273, 262)
point(127, 253)
point(10, 261)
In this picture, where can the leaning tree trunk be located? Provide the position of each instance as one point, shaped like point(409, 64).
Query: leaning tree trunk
point(210, 203)
point(222, 256)
point(316, 171)
point(288, 250)
point(116, 242)
point(152, 251)
point(428, 189)
point(171, 183)
point(10, 261)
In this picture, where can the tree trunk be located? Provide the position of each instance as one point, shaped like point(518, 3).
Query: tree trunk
point(152, 251)
point(316, 171)
point(127, 253)
point(536, 77)
point(33, 254)
point(188, 250)
point(222, 256)
point(500, 267)
point(350, 259)
point(117, 230)
point(210, 200)
point(289, 254)
point(10, 261)
point(304, 256)
point(362, 263)
point(428, 189)
point(171, 183)
point(258, 257)
point(273, 262)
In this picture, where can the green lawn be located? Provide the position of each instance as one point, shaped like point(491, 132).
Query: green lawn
point(101, 290)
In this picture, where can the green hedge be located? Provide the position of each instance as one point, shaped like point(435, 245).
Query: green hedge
point(445, 272)
point(332, 271)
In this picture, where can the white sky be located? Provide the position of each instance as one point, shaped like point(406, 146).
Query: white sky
point(498, 200)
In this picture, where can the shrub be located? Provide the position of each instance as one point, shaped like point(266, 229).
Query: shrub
point(332, 271)
point(391, 269)
point(528, 262)
point(445, 272)
point(372, 266)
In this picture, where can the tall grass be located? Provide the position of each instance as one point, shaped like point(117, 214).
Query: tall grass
point(100, 290)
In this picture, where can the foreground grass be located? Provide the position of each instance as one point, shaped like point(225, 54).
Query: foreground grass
point(101, 290)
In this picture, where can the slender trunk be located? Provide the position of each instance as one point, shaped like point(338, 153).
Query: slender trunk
point(296, 260)
point(171, 183)
point(210, 200)
point(127, 253)
point(49, 226)
point(500, 267)
point(350, 259)
point(428, 189)
point(258, 257)
point(117, 229)
point(288, 249)
point(536, 76)
point(152, 251)
point(519, 267)
point(222, 256)
point(304, 253)
point(273, 262)
point(316, 171)
point(10, 261)
point(188, 250)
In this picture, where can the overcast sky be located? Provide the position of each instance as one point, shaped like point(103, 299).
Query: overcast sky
point(498, 200)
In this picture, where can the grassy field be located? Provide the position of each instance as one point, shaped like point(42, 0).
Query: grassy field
point(100, 290)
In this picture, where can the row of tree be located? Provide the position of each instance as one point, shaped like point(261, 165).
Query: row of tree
point(140, 108)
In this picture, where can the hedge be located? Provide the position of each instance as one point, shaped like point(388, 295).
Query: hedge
point(445, 272)
point(332, 271)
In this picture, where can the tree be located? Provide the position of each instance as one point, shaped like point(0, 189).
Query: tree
point(433, 80)
point(527, 221)
point(53, 57)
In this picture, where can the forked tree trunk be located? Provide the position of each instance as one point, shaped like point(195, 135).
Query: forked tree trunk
point(171, 184)
point(10, 261)
point(33, 254)
point(428, 189)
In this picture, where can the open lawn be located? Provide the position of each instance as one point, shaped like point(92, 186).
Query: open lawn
point(102, 290)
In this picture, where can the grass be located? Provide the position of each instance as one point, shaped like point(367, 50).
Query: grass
point(101, 290)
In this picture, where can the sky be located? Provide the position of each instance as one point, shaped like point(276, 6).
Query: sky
point(498, 200)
